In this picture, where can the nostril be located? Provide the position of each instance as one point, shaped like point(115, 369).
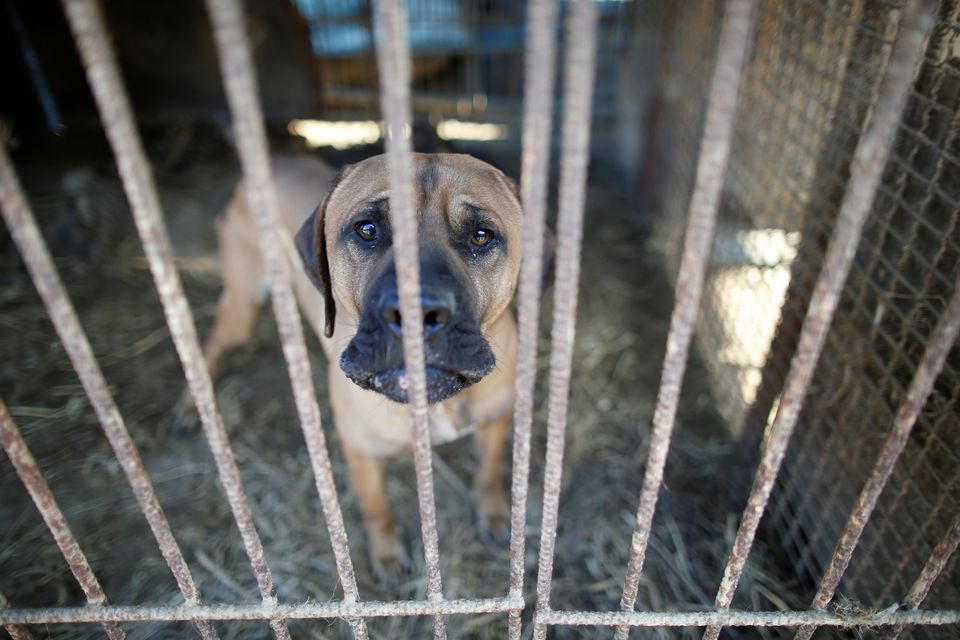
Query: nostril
point(393, 319)
point(434, 319)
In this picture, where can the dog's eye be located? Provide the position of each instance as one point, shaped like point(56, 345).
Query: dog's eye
point(366, 230)
point(481, 237)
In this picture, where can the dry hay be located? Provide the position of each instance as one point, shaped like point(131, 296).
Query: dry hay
point(624, 313)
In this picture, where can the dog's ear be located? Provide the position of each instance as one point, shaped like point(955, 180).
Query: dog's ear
point(311, 242)
point(549, 242)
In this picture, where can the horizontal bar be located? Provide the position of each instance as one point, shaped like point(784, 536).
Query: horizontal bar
point(579, 72)
point(23, 227)
point(26, 467)
point(715, 147)
point(866, 171)
point(941, 341)
point(103, 74)
point(393, 63)
point(305, 611)
point(538, 103)
point(240, 81)
point(734, 618)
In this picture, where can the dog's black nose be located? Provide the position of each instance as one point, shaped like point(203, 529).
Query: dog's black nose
point(438, 312)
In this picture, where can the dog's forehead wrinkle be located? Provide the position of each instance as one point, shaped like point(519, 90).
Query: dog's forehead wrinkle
point(428, 174)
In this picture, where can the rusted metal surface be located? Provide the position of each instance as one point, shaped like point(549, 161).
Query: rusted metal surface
point(735, 618)
point(934, 565)
point(869, 160)
point(29, 473)
point(579, 74)
point(93, 41)
point(303, 611)
point(241, 86)
point(33, 250)
point(16, 631)
point(393, 62)
point(932, 569)
point(540, 60)
point(704, 203)
point(941, 341)
point(307, 611)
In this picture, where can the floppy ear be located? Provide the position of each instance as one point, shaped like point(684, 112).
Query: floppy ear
point(311, 242)
point(549, 242)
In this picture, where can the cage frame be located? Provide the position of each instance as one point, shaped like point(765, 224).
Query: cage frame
point(873, 150)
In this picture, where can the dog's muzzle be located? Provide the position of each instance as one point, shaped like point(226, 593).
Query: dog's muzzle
point(456, 353)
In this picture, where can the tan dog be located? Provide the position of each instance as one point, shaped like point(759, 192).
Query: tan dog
point(470, 237)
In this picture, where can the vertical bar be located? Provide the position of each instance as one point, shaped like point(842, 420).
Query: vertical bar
point(538, 100)
point(932, 569)
point(23, 227)
point(35, 483)
point(715, 147)
point(866, 170)
point(16, 631)
point(579, 72)
point(237, 68)
point(393, 63)
point(942, 339)
point(90, 33)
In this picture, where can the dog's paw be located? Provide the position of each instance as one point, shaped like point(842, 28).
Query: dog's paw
point(389, 560)
point(184, 421)
point(493, 515)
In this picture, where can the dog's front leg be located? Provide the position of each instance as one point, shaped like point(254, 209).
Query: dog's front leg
point(387, 555)
point(493, 510)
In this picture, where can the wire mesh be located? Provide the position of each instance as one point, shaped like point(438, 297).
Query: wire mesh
point(808, 91)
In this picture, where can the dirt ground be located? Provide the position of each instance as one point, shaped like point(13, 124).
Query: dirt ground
point(623, 317)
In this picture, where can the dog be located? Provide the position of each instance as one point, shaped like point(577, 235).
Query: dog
point(470, 225)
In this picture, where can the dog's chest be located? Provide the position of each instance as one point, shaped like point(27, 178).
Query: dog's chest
point(450, 420)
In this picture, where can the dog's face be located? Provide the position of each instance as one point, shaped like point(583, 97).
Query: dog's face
point(469, 221)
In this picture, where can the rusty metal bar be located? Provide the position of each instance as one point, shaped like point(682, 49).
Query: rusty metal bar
point(96, 52)
point(934, 565)
point(932, 569)
point(538, 99)
point(941, 341)
point(715, 147)
point(310, 611)
point(16, 631)
point(240, 81)
point(23, 227)
point(393, 63)
point(733, 618)
point(303, 611)
point(866, 170)
point(26, 467)
point(579, 72)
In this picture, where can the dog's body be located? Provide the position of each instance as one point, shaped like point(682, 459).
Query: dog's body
point(348, 286)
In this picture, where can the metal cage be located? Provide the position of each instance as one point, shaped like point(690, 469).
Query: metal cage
point(826, 191)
